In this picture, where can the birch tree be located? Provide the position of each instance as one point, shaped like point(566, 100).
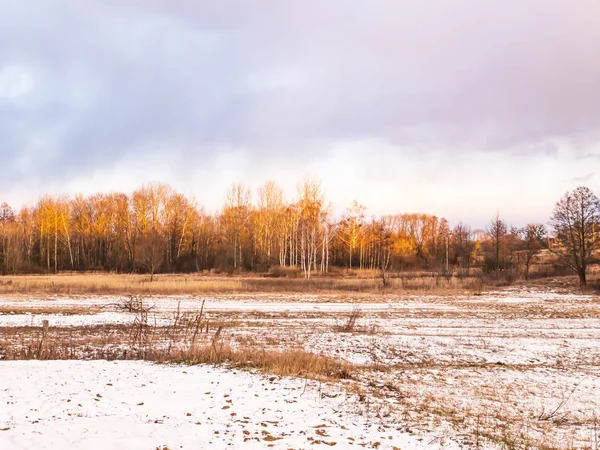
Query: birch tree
point(351, 228)
point(311, 204)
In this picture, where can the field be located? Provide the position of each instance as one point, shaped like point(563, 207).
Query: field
point(253, 363)
point(176, 284)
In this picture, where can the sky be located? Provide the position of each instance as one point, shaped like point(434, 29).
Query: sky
point(459, 108)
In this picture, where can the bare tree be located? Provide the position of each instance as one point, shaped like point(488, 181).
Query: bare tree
point(383, 236)
point(533, 238)
point(463, 244)
point(7, 221)
point(351, 228)
point(151, 251)
point(310, 226)
point(267, 218)
point(497, 231)
point(236, 215)
point(575, 221)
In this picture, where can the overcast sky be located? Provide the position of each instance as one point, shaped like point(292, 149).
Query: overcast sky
point(454, 107)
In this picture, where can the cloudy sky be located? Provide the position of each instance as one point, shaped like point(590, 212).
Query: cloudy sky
point(453, 107)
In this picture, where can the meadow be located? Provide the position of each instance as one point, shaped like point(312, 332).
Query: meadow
point(423, 363)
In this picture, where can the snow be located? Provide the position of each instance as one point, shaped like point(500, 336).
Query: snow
point(70, 320)
point(492, 362)
point(137, 405)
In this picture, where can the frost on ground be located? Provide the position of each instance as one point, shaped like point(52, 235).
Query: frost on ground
point(516, 368)
point(136, 405)
point(69, 320)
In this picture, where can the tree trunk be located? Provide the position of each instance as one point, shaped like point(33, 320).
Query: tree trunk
point(582, 279)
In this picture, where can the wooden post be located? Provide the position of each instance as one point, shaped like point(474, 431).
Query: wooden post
point(45, 327)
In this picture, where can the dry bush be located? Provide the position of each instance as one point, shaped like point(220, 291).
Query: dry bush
point(134, 304)
point(499, 278)
point(283, 272)
point(349, 325)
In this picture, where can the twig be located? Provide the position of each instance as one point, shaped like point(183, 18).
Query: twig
point(555, 412)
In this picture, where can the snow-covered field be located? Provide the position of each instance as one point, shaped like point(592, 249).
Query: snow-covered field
point(97, 405)
point(515, 368)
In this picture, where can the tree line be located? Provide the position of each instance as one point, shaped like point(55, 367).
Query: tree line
point(158, 230)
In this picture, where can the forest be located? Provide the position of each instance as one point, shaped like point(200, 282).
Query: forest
point(158, 230)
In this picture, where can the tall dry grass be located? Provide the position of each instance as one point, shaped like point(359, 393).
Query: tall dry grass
point(190, 338)
point(120, 284)
point(113, 284)
point(125, 343)
point(295, 362)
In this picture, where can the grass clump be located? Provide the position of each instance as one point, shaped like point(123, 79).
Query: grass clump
point(286, 362)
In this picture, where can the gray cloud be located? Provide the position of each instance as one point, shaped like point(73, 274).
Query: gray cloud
point(115, 78)
point(584, 178)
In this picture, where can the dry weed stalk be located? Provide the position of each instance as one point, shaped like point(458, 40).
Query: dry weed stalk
point(198, 324)
point(140, 327)
point(557, 414)
point(351, 321)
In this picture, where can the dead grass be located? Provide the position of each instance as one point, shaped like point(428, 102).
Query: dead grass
point(113, 284)
point(119, 284)
point(426, 392)
point(189, 339)
point(288, 362)
point(121, 343)
point(494, 418)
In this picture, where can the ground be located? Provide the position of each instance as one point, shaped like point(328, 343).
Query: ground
point(512, 368)
point(139, 405)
